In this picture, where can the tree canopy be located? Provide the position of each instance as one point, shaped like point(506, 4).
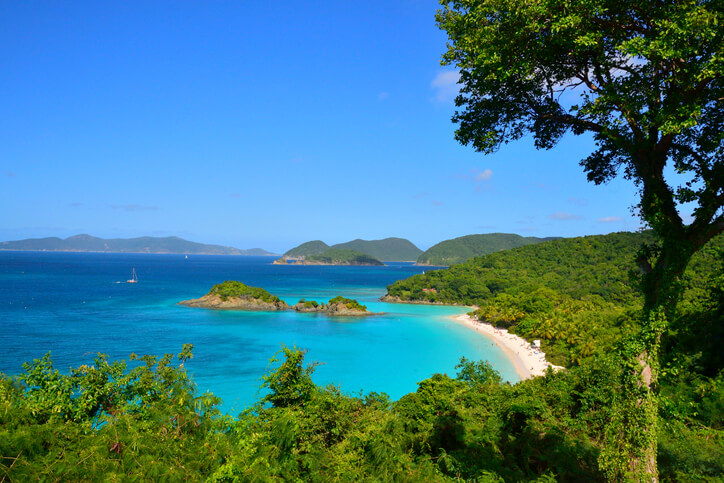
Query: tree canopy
point(644, 78)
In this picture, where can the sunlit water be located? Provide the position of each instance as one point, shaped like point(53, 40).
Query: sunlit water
point(72, 305)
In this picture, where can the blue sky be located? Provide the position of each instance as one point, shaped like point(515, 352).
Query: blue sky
point(262, 124)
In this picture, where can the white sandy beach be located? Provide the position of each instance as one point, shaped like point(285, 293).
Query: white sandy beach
point(528, 362)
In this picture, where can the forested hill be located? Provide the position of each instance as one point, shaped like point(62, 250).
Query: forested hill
point(146, 244)
point(388, 249)
point(575, 266)
point(458, 250)
point(340, 256)
point(575, 294)
point(314, 247)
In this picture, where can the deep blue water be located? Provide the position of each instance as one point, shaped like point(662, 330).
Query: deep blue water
point(71, 304)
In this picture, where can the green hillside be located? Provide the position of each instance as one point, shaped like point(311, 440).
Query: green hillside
point(458, 250)
point(338, 256)
point(146, 244)
point(388, 249)
point(563, 292)
point(314, 247)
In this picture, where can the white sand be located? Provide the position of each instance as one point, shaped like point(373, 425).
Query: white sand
point(528, 361)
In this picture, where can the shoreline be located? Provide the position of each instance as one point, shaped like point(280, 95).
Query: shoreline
point(528, 362)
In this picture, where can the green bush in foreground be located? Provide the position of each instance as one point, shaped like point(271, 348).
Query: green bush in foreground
point(109, 422)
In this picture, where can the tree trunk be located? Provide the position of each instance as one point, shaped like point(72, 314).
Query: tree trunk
point(661, 293)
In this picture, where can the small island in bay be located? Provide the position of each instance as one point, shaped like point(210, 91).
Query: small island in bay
point(338, 306)
point(234, 295)
point(332, 256)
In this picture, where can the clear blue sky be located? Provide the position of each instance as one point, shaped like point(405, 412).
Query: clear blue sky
point(262, 124)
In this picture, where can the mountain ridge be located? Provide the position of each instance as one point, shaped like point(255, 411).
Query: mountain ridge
point(145, 244)
point(463, 248)
point(390, 249)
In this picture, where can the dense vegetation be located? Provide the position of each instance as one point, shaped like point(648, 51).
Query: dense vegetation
point(313, 306)
point(577, 295)
point(113, 421)
point(349, 303)
point(389, 249)
point(314, 247)
point(458, 250)
point(109, 422)
point(234, 289)
point(646, 81)
point(336, 256)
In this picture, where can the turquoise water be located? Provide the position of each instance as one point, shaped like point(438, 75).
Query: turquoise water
point(71, 304)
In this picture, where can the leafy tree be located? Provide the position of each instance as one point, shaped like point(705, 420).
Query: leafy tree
point(290, 384)
point(645, 80)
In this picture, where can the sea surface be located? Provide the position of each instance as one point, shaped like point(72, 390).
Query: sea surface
point(76, 305)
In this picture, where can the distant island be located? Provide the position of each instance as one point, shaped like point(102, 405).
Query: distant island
point(388, 249)
point(234, 295)
point(461, 249)
point(146, 244)
point(336, 307)
point(332, 256)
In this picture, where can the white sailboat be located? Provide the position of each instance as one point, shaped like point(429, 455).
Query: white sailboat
point(134, 277)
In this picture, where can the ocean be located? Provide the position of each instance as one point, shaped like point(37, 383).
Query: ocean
point(76, 305)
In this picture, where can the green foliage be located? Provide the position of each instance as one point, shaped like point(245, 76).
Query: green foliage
point(389, 249)
point(473, 427)
point(314, 247)
point(143, 420)
point(646, 81)
point(108, 422)
point(458, 250)
point(338, 256)
point(475, 373)
point(290, 384)
point(234, 289)
point(349, 303)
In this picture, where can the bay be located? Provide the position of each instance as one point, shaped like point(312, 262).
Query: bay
point(76, 305)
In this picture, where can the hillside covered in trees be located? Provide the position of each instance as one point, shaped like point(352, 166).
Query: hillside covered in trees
point(339, 256)
point(387, 249)
point(458, 250)
point(314, 247)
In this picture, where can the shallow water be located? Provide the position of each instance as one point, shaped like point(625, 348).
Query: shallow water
point(73, 305)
